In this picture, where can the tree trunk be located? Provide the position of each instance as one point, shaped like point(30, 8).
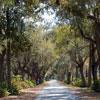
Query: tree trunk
point(2, 55)
point(97, 37)
point(77, 73)
point(82, 76)
point(9, 63)
point(23, 75)
point(93, 63)
point(99, 72)
point(86, 73)
point(40, 80)
point(36, 81)
point(72, 78)
point(8, 47)
point(28, 76)
point(94, 71)
point(90, 65)
point(69, 78)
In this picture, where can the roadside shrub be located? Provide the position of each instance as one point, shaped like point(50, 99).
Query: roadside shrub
point(77, 83)
point(17, 81)
point(3, 93)
point(4, 85)
point(17, 78)
point(13, 89)
point(65, 81)
point(16, 85)
point(28, 84)
point(96, 86)
point(4, 89)
point(24, 85)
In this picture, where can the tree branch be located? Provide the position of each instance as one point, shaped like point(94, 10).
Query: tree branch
point(84, 36)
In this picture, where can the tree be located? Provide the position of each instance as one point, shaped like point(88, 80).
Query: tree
point(85, 16)
point(11, 9)
point(73, 46)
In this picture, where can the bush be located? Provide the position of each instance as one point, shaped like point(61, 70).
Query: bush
point(17, 81)
point(27, 84)
point(4, 85)
point(17, 78)
point(3, 93)
point(96, 86)
point(77, 82)
point(13, 89)
point(65, 81)
point(30, 83)
point(18, 84)
point(24, 85)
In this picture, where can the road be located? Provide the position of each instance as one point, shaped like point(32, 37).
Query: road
point(56, 91)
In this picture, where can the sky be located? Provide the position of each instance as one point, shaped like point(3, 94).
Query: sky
point(49, 19)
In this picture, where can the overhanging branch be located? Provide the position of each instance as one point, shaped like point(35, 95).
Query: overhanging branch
point(84, 36)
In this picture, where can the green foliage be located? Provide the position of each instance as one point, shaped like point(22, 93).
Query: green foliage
point(3, 93)
point(17, 78)
point(13, 89)
point(8, 3)
point(17, 81)
point(65, 81)
point(77, 83)
point(30, 83)
point(62, 36)
point(4, 85)
point(27, 84)
point(96, 86)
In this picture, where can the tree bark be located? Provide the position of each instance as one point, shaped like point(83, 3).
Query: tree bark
point(97, 37)
point(90, 65)
point(77, 73)
point(99, 72)
point(2, 55)
point(93, 63)
point(94, 71)
point(82, 76)
point(23, 75)
point(86, 73)
point(8, 47)
point(69, 78)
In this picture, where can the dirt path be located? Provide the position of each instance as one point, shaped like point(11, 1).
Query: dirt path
point(27, 94)
point(56, 91)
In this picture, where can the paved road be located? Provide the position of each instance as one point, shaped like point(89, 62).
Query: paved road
point(56, 91)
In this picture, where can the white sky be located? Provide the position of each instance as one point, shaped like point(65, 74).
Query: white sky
point(48, 16)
